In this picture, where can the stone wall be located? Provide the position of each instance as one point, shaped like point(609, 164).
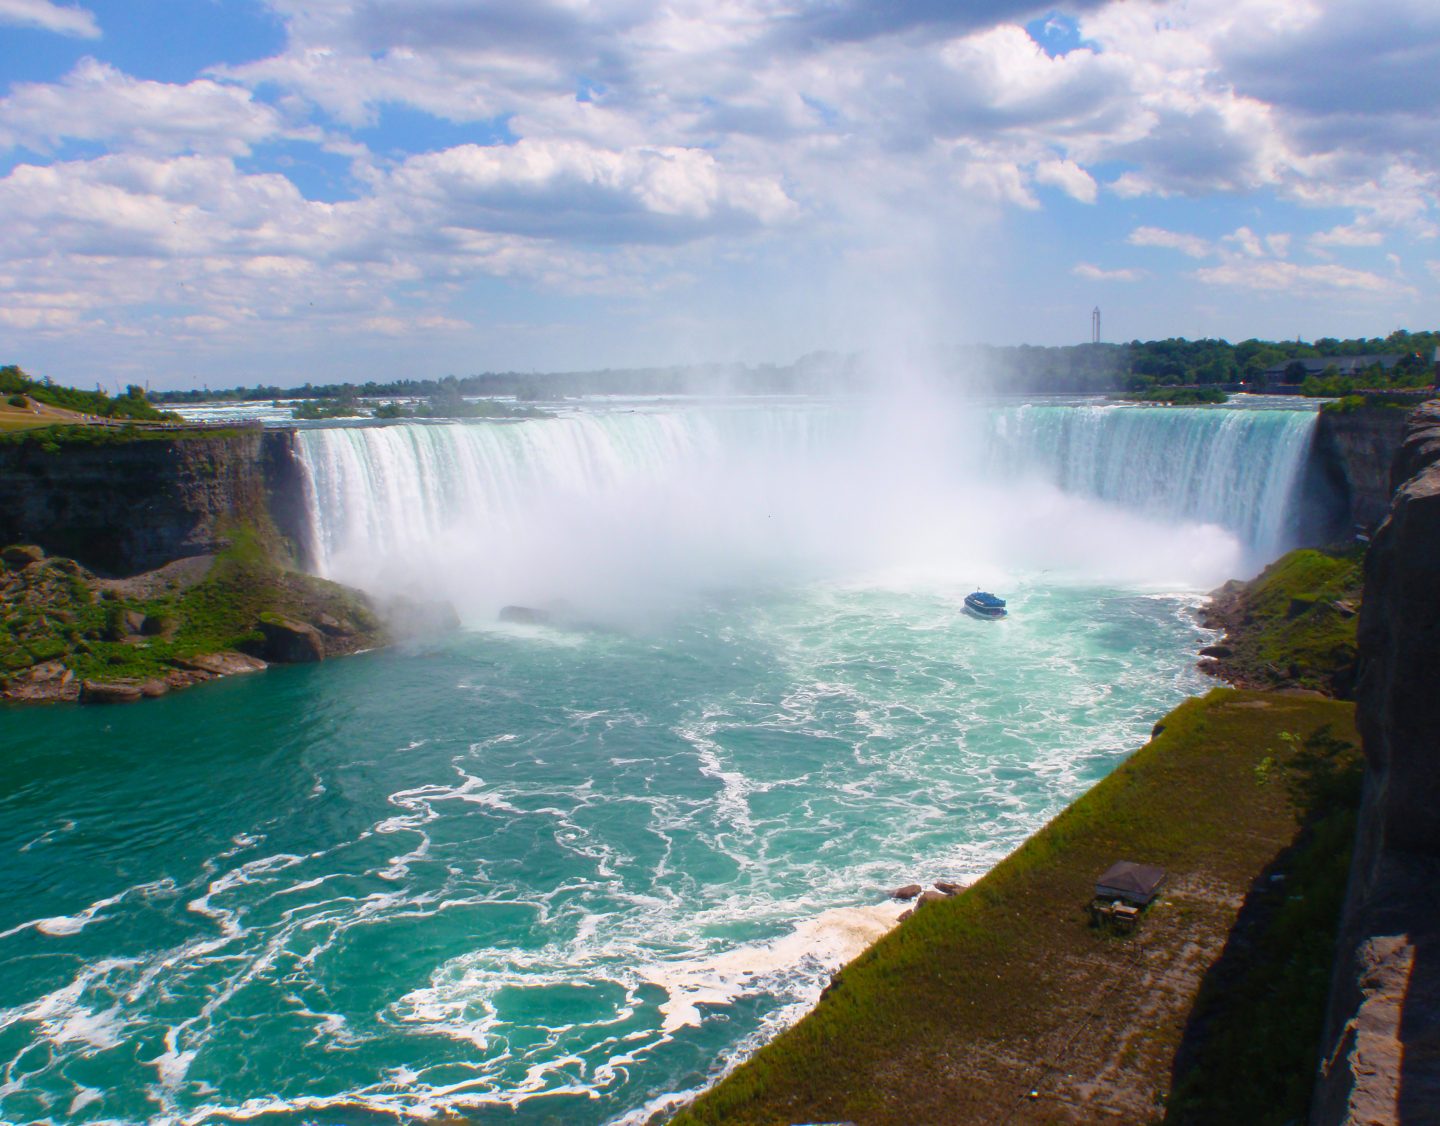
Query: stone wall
point(1381, 1055)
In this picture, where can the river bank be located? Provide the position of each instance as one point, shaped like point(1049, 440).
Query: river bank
point(1005, 1004)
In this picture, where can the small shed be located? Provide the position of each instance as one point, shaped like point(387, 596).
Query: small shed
point(1134, 883)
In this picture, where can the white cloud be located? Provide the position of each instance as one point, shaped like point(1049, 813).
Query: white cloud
point(1191, 245)
point(48, 16)
point(1288, 277)
point(1249, 261)
point(1347, 235)
point(549, 189)
point(1247, 241)
point(652, 141)
point(1069, 177)
point(1095, 273)
point(96, 102)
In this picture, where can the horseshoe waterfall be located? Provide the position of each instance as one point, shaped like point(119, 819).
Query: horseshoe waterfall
point(565, 865)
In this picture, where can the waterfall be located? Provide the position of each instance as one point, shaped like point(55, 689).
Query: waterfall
point(603, 498)
point(1238, 468)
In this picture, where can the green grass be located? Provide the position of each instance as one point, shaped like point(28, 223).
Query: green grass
point(53, 438)
point(1004, 970)
point(11, 423)
point(1290, 627)
point(1380, 400)
point(1263, 1008)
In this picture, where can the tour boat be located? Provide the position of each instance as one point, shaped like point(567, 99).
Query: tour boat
point(985, 604)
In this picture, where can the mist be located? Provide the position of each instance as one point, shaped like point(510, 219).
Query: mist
point(622, 514)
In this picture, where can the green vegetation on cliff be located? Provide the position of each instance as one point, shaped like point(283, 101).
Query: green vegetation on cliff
point(53, 439)
point(1379, 400)
point(145, 627)
point(1294, 625)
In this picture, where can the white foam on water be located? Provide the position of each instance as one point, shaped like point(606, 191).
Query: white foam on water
point(829, 940)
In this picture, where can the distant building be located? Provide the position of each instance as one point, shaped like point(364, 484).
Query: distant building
point(1316, 365)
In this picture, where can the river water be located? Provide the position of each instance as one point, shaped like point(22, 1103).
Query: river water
point(566, 871)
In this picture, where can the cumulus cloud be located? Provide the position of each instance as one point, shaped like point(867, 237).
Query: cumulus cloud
point(1288, 277)
point(49, 16)
point(1069, 177)
point(1249, 261)
point(97, 102)
point(568, 188)
point(639, 138)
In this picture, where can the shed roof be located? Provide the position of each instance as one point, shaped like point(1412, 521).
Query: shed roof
point(1128, 880)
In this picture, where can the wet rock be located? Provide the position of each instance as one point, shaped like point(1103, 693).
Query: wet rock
point(949, 887)
point(228, 663)
point(930, 897)
point(333, 626)
point(905, 915)
point(110, 692)
point(524, 615)
point(909, 891)
point(50, 681)
point(153, 687)
point(290, 642)
point(1221, 651)
point(19, 555)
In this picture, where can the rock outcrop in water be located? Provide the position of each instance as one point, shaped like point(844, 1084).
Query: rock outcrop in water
point(158, 561)
point(1381, 1056)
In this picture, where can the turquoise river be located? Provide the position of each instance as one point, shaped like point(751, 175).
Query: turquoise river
point(570, 871)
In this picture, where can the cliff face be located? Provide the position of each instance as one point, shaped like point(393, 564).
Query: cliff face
point(1382, 1049)
point(1353, 454)
point(133, 506)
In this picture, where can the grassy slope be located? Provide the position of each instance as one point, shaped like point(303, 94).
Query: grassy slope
point(1285, 626)
point(953, 1015)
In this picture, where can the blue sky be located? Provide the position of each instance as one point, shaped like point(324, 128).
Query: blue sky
point(221, 191)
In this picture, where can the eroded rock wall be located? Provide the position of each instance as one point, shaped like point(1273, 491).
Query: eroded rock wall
point(1353, 455)
point(133, 506)
point(1381, 1057)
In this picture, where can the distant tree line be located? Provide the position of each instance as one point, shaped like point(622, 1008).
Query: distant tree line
point(1145, 365)
point(1140, 366)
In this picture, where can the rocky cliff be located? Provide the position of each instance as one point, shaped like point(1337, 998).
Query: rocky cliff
point(121, 507)
point(1381, 1056)
point(1349, 481)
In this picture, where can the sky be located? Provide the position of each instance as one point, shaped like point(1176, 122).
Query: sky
point(212, 192)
